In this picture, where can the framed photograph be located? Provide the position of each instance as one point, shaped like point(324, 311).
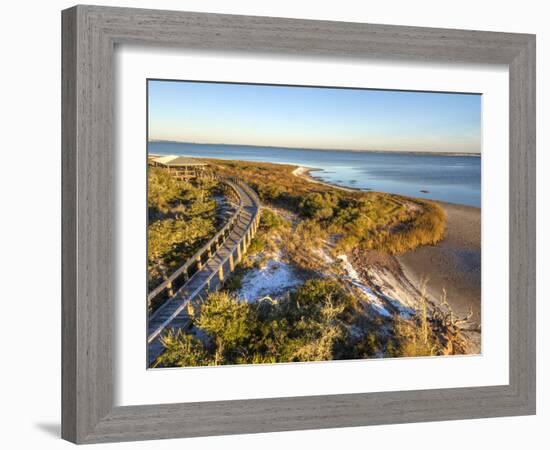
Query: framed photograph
point(278, 224)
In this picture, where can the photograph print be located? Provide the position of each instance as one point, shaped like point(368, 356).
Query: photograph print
point(289, 224)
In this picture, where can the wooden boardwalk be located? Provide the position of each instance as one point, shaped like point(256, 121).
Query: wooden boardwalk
point(223, 254)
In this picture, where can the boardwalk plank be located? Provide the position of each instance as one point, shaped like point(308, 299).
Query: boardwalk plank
point(173, 314)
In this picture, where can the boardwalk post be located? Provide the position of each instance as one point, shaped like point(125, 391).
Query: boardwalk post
point(239, 254)
point(241, 228)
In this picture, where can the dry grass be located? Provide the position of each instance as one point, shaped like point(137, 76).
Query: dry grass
point(438, 333)
point(370, 220)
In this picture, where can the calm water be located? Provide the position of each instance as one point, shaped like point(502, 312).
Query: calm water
point(454, 179)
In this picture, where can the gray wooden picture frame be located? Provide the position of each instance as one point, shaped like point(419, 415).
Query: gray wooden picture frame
point(90, 34)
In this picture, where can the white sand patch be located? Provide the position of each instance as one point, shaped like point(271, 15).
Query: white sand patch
point(396, 290)
point(352, 273)
point(380, 301)
point(323, 254)
point(373, 300)
point(324, 260)
point(276, 278)
point(300, 171)
point(404, 311)
point(304, 172)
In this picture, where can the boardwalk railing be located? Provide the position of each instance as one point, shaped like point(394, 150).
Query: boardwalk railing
point(215, 279)
point(197, 260)
point(235, 256)
point(242, 226)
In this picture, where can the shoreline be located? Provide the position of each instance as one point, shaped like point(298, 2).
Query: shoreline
point(454, 264)
point(404, 152)
point(304, 173)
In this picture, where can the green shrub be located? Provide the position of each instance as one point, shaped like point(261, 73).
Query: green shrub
point(270, 192)
point(319, 206)
point(163, 190)
point(314, 295)
point(257, 245)
point(271, 220)
point(226, 320)
point(182, 350)
point(182, 217)
point(233, 283)
point(171, 241)
point(307, 326)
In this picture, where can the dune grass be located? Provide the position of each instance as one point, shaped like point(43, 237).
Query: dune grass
point(372, 220)
point(182, 217)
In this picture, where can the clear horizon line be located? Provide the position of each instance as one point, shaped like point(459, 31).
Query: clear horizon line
point(465, 153)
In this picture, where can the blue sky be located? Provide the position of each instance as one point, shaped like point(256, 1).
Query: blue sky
point(303, 117)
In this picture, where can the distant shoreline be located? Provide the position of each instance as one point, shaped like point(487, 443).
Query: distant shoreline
point(407, 152)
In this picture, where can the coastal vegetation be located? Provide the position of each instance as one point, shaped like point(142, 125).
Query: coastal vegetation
point(308, 226)
point(182, 216)
point(308, 325)
point(371, 220)
point(321, 320)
